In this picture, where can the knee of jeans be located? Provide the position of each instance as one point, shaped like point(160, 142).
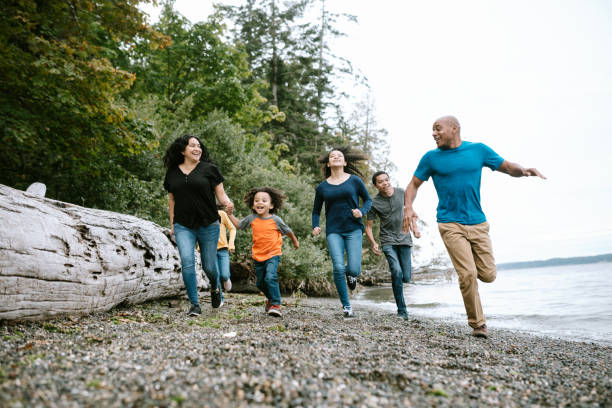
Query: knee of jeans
point(339, 267)
point(187, 264)
point(396, 273)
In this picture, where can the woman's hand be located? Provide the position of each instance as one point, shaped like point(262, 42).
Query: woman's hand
point(316, 231)
point(357, 213)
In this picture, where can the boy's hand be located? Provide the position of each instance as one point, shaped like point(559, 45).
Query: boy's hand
point(296, 244)
point(376, 250)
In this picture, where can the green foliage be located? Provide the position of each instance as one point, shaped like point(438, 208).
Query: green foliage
point(60, 120)
point(92, 96)
point(198, 64)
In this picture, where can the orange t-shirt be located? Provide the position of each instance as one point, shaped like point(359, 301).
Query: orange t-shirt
point(267, 235)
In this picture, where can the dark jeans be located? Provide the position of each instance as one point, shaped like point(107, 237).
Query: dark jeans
point(400, 266)
point(223, 267)
point(267, 279)
point(186, 239)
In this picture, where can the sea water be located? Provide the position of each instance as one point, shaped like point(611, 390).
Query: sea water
point(570, 302)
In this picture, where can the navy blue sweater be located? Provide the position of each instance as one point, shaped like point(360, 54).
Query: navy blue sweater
point(340, 200)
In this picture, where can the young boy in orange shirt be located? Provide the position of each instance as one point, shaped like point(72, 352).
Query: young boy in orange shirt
point(268, 230)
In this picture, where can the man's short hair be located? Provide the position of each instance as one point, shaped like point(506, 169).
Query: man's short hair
point(378, 173)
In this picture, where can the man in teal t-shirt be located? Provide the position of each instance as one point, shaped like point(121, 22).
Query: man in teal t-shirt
point(456, 168)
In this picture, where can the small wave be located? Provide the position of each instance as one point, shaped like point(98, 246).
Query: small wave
point(427, 305)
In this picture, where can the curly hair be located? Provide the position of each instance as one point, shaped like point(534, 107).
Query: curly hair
point(276, 196)
point(174, 157)
point(351, 156)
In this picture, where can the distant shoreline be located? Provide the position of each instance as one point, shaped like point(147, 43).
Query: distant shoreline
point(579, 260)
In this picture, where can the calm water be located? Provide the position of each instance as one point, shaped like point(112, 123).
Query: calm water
point(570, 302)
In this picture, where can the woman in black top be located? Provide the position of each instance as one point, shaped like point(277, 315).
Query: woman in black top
point(193, 182)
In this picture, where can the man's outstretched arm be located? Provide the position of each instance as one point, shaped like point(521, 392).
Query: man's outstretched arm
point(410, 217)
point(516, 170)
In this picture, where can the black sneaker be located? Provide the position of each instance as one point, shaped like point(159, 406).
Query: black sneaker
point(194, 310)
point(215, 298)
point(351, 282)
point(348, 311)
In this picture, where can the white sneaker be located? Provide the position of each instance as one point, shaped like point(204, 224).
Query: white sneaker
point(348, 311)
point(227, 285)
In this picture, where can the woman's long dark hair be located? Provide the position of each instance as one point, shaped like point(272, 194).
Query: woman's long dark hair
point(351, 156)
point(174, 156)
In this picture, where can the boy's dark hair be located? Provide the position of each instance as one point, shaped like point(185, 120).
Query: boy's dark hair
point(174, 157)
point(276, 196)
point(378, 173)
point(351, 156)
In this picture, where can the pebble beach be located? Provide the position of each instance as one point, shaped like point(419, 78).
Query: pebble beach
point(154, 355)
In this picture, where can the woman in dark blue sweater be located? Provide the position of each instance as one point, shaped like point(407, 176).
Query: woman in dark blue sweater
point(340, 192)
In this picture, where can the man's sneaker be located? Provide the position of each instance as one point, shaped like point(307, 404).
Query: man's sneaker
point(275, 311)
point(268, 305)
point(348, 311)
point(222, 302)
point(215, 298)
point(403, 316)
point(351, 282)
point(227, 285)
point(194, 310)
point(481, 331)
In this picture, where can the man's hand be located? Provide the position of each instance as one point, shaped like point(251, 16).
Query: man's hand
point(357, 213)
point(316, 231)
point(229, 208)
point(410, 222)
point(534, 172)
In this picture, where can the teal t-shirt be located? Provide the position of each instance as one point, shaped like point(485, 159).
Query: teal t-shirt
point(456, 174)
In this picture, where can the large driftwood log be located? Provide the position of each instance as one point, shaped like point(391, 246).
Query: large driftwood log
point(58, 258)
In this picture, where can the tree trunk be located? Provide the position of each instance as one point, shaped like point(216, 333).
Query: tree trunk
point(58, 258)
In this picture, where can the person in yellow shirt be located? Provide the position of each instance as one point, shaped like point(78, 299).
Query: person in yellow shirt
point(224, 248)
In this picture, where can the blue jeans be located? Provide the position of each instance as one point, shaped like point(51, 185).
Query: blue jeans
point(400, 266)
point(338, 243)
point(223, 267)
point(186, 239)
point(267, 279)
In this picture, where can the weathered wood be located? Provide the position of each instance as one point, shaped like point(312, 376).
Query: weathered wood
point(59, 258)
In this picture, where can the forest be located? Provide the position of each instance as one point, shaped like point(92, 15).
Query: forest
point(93, 93)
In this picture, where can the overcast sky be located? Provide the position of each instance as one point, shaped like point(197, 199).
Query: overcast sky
point(531, 79)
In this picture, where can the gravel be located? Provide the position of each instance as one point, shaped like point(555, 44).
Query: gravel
point(153, 354)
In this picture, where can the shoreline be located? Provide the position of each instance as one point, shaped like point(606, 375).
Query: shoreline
point(152, 354)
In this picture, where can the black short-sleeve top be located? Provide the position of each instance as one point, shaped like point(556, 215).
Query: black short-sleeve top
point(194, 194)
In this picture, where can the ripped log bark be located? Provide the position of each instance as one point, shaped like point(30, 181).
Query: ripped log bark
point(58, 258)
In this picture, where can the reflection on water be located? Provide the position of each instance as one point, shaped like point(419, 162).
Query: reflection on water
point(573, 301)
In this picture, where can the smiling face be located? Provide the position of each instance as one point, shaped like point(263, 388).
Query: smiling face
point(446, 133)
point(193, 150)
point(383, 185)
point(262, 203)
point(336, 159)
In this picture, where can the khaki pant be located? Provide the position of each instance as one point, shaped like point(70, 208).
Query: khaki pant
point(470, 250)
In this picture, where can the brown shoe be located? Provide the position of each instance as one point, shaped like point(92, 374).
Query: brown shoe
point(481, 331)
